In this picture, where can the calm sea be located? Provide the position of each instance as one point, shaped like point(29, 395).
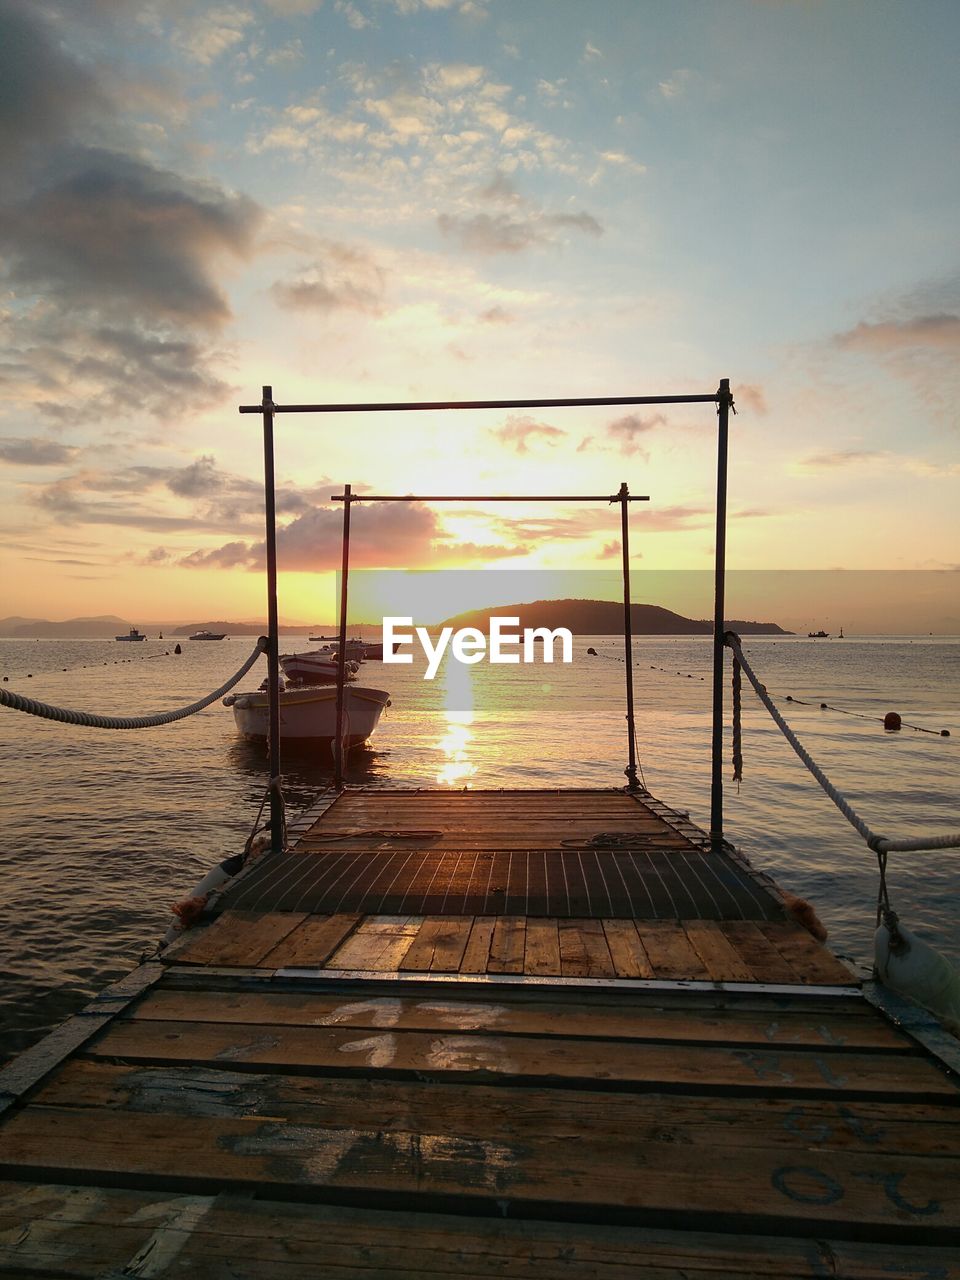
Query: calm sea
point(104, 830)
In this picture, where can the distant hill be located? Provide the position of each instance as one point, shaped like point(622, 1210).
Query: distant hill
point(605, 618)
point(102, 627)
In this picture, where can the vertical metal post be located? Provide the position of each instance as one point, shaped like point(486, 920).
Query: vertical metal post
point(338, 752)
point(273, 628)
point(631, 769)
point(724, 400)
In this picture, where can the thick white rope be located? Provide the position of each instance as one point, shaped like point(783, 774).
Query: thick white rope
point(879, 844)
point(19, 703)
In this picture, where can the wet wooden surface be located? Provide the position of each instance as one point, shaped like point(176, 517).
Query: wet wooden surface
point(352, 1094)
point(698, 950)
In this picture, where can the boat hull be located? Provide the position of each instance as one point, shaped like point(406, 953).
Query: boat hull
point(313, 668)
point(310, 715)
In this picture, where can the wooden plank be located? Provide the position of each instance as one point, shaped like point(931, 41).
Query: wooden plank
point(85, 1232)
point(541, 952)
point(810, 961)
point(239, 937)
point(477, 953)
point(507, 945)
point(636, 1018)
point(439, 944)
point(378, 944)
point(341, 1050)
point(759, 955)
point(583, 950)
point(694, 1183)
point(669, 950)
point(426, 1106)
point(312, 942)
point(630, 960)
point(720, 958)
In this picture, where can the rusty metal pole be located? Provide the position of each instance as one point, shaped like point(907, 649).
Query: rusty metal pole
point(338, 752)
point(273, 628)
point(631, 769)
point(724, 401)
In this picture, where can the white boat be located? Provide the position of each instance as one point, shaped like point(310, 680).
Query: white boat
point(133, 635)
point(311, 714)
point(355, 648)
point(208, 635)
point(314, 667)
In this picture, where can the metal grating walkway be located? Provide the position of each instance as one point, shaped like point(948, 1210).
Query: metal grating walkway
point(502, 854)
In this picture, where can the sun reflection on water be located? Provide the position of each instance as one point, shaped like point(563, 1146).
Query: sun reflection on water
point(457, 768)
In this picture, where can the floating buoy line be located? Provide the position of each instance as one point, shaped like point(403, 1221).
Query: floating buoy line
point(892, 721)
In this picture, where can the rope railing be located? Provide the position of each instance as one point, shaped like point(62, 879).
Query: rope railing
point(30, 706)
point(879, 844)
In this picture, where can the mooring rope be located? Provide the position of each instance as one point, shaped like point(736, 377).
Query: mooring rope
point(879, 844)
point(737, 726)
point(33, 708)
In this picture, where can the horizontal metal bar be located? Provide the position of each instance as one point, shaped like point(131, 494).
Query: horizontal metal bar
point(415, 405)
point(486, 497)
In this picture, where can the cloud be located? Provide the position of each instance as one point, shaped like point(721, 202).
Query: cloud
point(519, 430)
point(752, 397)
point(114, 261)
point(496, 315)
point(676, 85)
point(34, 452)
point(500, 189)
point(591, 53)
point(841, 458)
point(212, 32)
point(899, 462)
point(921, 349)
point(45, 95)
point(500, 233)
point(383, 535)
point(355, 18)
point(293, 8)
point(625, 431)
point(196, 496)
point(117, 234)
point(196, 480)
point(938, 332)
point(343, 278)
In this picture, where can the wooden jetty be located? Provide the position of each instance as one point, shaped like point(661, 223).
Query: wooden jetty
point(485, 1034)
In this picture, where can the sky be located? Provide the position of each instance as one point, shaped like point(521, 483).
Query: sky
point(381, 200)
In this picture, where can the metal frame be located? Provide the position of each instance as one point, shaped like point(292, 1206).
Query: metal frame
point(267, 408)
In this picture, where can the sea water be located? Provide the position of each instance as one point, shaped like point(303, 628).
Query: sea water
point(104, 830)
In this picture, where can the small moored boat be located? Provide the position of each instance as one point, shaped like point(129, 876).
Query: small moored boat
point(133, 634)
point(311, 714)
point(314, 667)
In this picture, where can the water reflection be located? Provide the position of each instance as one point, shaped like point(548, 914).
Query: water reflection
point(457, 768)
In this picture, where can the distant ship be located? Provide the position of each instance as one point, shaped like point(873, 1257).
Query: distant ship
point(818, 635)
point(134, 634)
point(209, 635)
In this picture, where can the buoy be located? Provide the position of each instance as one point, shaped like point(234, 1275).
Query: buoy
point(944, 733)
point(823, 706)
point(891, 720)
point(911, 966)
point(593, 651)
point(789, 698)
point(177, 649)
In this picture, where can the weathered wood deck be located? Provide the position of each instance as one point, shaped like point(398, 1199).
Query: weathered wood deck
point(511, 1034)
